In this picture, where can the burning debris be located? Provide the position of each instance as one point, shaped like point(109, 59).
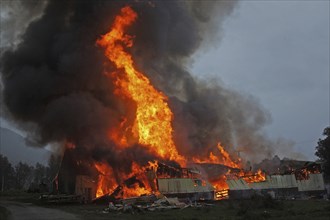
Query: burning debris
point(155, 178)
point(158, 178)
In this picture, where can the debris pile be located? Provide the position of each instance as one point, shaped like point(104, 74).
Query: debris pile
point(150, 203)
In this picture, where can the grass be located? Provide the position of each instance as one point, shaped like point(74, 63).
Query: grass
point(19, 196)
point(223, 210)
point(256, 208)
point(4, 213)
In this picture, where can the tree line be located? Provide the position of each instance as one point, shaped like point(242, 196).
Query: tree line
point(23, 176)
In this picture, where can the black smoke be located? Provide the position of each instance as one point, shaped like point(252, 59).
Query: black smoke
point(53, 78)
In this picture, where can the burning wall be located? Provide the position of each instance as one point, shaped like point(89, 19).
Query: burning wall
point(293, 183)
point(110, 78)
point(279, 186)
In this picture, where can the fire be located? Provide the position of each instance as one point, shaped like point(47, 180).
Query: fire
point(142, 186)
point(221, 157)
point(220, 183)
point(251, 177)
point(153, 116)
point(152, 124)
point(118, 136)
point(226, 158)
point(135, 190)
point(304, 173)
point(106, 182)
point(69, 145)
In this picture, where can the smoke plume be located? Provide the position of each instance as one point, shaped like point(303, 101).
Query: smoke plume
point(54, 78)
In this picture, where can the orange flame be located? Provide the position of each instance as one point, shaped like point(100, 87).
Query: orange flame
point(226, 158)
point(251, 177)
point(223, 157)
point(106, 182)
point(220, 183)
point(135, 190)
point(152, 126)
point(153, 115)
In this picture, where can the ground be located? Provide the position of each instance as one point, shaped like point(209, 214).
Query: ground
point(27, 207)
point(29, 211)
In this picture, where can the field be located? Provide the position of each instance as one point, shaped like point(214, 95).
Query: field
point(248, 209)
point(257, 208)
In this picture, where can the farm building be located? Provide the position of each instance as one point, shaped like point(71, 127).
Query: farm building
point(279, 186)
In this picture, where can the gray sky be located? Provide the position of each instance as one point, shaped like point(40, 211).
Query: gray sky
point(278, 51)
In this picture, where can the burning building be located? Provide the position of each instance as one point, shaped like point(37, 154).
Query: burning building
point(110, 81)
point(93, 181)
point(295, 183)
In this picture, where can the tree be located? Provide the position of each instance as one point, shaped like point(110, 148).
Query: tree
point(24, 175)
point(7, 177)
point(40, 173)
point(323, 151)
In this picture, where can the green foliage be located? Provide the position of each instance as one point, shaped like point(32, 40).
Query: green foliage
point(323, 151)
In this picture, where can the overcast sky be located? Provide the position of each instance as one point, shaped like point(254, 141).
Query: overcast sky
point(278, 51)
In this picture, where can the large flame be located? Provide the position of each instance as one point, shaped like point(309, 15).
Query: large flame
point(252, 177)
point(219, 157)
point(152, 127)
point(153, 115)
point(106, 182)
